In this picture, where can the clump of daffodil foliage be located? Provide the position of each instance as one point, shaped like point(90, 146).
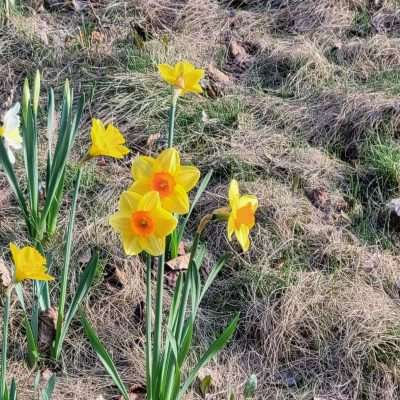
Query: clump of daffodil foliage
point(151, 218)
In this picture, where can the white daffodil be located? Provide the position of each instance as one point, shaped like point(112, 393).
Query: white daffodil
point(10, 131)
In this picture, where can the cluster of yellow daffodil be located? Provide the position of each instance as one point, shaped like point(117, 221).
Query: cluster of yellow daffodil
point(147, 215)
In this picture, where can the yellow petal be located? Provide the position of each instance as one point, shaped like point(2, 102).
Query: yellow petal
point(153, 245)
point(192, 78)
point(242, 235)
point(131, 245)
point(141, 186)
point(248, 199)
point(166, 222)
point(231, 226)
point(233, 193)
point(142, 167)
point(167, 72)
point(187, 177)
point(14, 253)
point(121, 223)
point(114, 134)
point(149, 201)
point(183, 68)
point(169, 160)
point(178, 202)
point(129, 202)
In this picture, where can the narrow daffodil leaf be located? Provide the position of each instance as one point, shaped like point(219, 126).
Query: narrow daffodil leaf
point(104, 356)
point(214, 348)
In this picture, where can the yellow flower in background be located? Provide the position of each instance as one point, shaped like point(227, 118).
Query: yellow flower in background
point(183, 76)
point(10, 131)
point(142, 223)
point(168, 177)
point(108, 142)
point(29, 264)
point(242, 216)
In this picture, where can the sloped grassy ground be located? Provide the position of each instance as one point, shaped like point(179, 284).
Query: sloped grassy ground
point(302, 107)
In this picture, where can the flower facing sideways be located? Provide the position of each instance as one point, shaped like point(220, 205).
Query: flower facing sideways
point(29, 264)
point(10, 131)
point(108, 142)
point(183, 76)
point(168, 177)
point(242, 216)
point(142, 223)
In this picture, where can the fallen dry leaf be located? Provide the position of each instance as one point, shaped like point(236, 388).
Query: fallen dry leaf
point(47, 328)
point(218, 81)
point(5, 274)
point(115, 277)
point(238, 52)
point(179, 263)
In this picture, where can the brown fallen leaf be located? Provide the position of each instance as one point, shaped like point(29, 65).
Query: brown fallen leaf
point(47, 328)
point(238, 52)
point(115, 277)
point(136, 392)
point(218, 81)
point(5, 274)
point(181, 249)
point(179, 263)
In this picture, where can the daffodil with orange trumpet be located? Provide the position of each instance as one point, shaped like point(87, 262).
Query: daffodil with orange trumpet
point(165, 175)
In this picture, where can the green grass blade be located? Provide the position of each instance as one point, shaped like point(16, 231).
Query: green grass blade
point(13, 391)
point(33, 351)
point(85, 282)
point(200, 191)
point(51, 126)
point(66, 264)
point(104, 356)
point(47, 394)
point(29, 132)
point(214, 348)
point(36, 93)
point(4, 347)
point(12, 180)
point(212, 275)
point(66, 138)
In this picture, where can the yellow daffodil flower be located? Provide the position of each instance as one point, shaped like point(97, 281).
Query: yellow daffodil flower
point(29, 264)
point(10, 131)
point(183, 76)
point(108, 142)
point(242, 216)
point(142, 223)
point(168, 177)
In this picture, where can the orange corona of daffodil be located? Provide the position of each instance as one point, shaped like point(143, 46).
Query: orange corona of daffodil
point(242, 216)
point(183, 76)
point(29, 264)
point(168, 177)
point(108, 142)
point(142, 223)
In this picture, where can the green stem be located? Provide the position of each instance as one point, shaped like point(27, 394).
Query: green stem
point(148, 329)
point(158, 322)
point(178, 328)
point(171, 121)
point(65, 269)
point(6, 318)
